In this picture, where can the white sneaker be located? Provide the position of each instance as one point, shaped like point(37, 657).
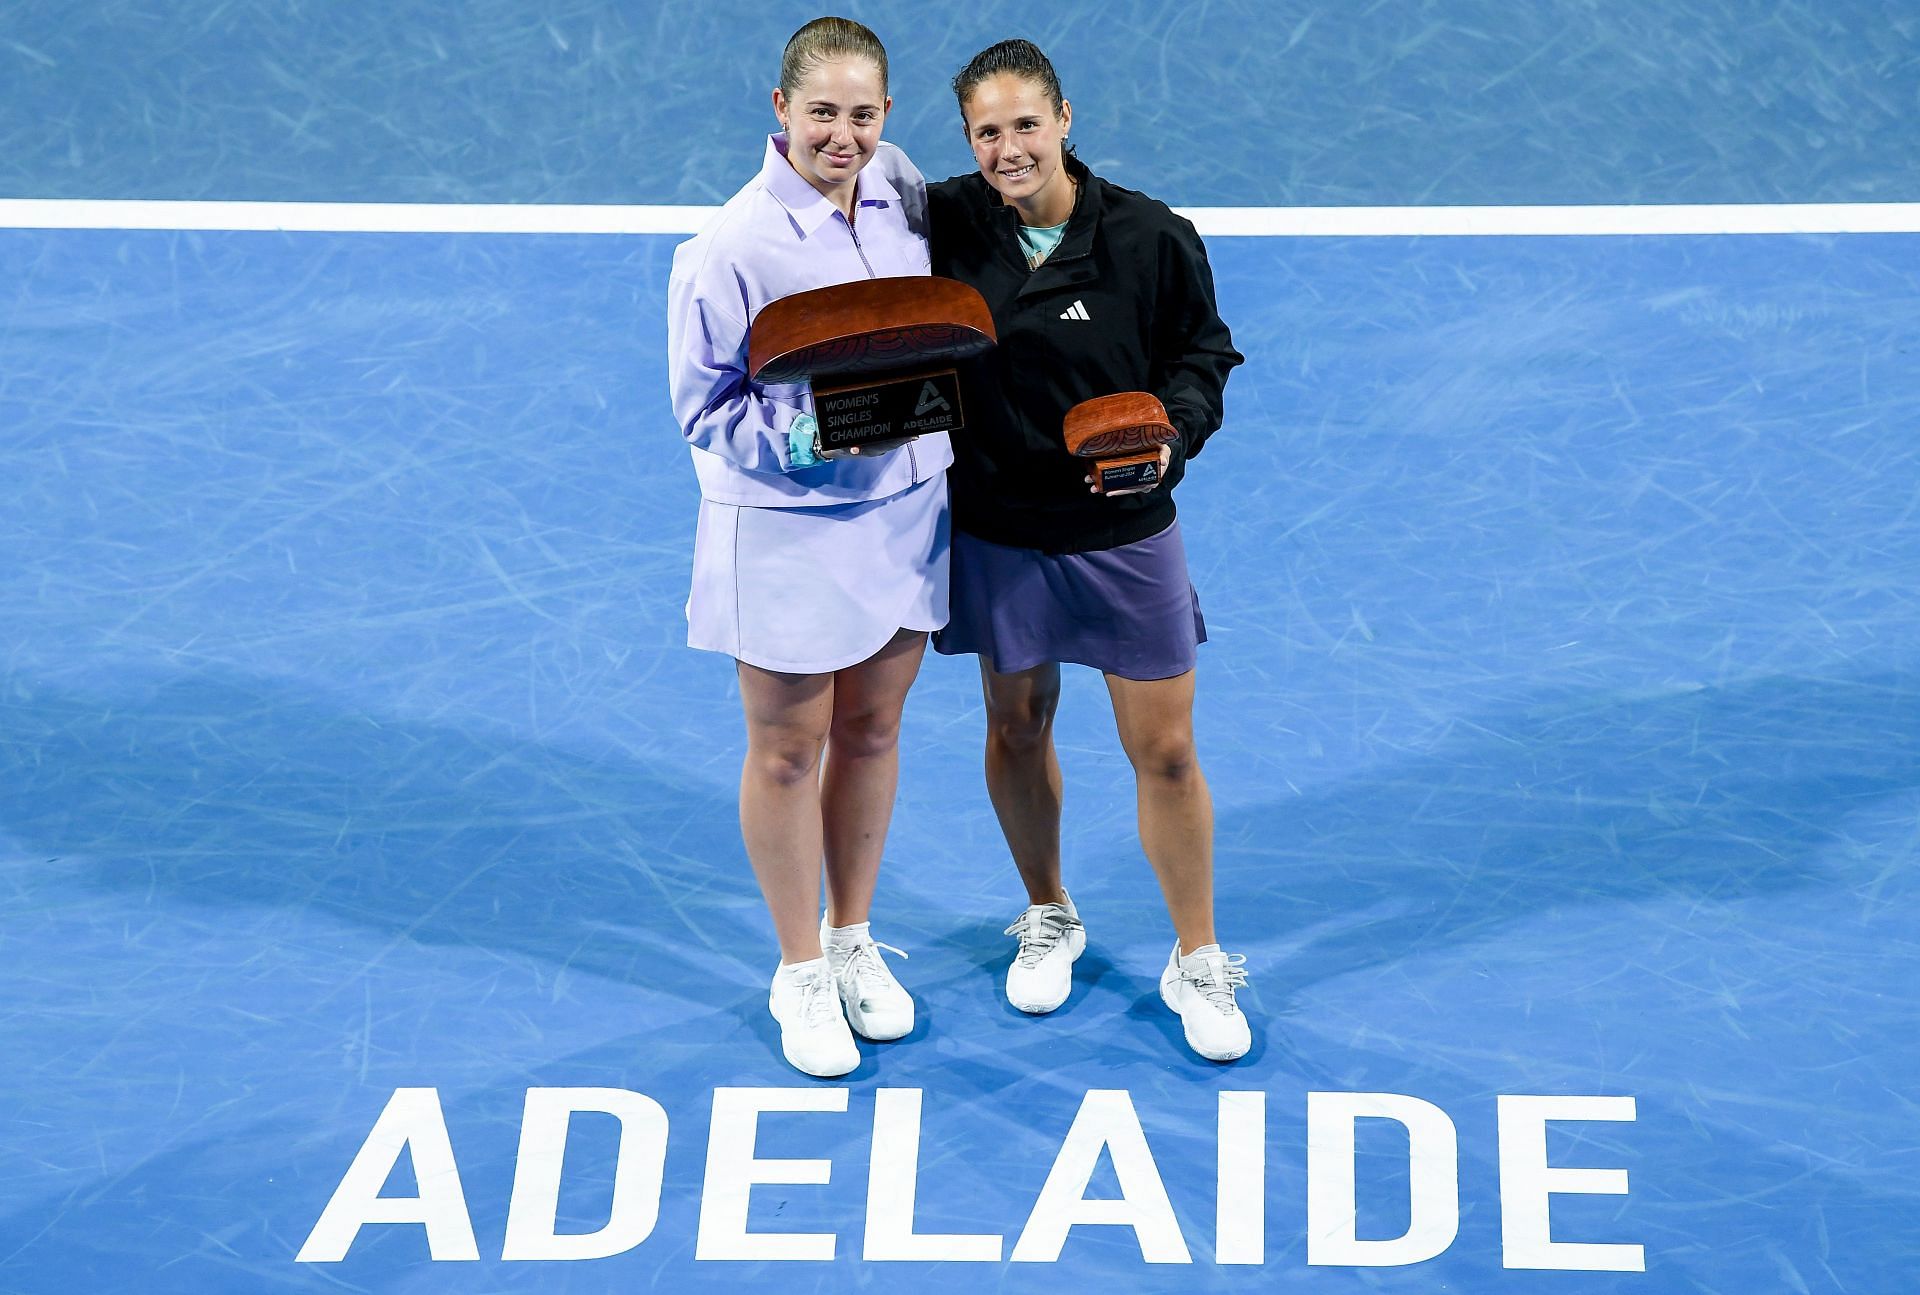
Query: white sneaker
point(813, 1034)
point(1051, 937)
point(1199, 987)
point(876, 1005)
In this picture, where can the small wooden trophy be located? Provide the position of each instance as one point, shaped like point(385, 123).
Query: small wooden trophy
point(1122, 434)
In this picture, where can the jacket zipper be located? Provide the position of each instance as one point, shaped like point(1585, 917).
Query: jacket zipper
point(855, 235)
point(1055, 263)
point(1010, 245)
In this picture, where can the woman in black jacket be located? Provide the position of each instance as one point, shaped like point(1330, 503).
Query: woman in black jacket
point(1095, 290)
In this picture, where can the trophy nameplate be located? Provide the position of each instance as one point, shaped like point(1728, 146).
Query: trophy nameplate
point(1122, 435)
point(879, 354)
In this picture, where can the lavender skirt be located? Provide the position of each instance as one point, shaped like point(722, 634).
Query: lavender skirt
point(814, 590)
point(1129, 611)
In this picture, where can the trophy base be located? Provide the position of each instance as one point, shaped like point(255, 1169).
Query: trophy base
point(874, 416)
point(1127, 475)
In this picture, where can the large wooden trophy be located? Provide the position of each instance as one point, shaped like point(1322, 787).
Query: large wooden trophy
point(1122, 434)
point(879, 354)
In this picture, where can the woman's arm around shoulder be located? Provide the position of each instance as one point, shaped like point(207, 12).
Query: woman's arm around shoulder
point(907, 181)
point(951, 214)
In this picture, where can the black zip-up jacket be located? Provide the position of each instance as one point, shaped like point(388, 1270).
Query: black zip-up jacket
point(1125, 303)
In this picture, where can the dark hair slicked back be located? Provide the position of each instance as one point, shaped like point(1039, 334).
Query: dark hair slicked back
point(1020, 57)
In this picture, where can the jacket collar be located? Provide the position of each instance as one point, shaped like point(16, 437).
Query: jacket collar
point(1078, 240)
point(1072, 262)
point(806, 205)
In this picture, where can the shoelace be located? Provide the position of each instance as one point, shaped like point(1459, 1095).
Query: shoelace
point(863, 960)
point(1216, 980)
point(819, 1001)
point(1039, 929)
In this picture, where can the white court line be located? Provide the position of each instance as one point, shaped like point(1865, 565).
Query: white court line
point(350, 217)
point(1268, 222)
point(1733, 218)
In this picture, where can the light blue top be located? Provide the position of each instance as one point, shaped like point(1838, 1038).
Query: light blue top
point(1040, 241)
point(778, 236)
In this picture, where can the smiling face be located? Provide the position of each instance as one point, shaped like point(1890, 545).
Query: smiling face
point(1017, 141)
point(833, 121)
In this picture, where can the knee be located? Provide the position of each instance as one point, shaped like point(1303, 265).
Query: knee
point(1021, 728)
point(1166, 758)
point(784, 761)
point(867, 733)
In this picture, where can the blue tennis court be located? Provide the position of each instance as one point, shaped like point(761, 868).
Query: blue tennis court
point(1560, 710)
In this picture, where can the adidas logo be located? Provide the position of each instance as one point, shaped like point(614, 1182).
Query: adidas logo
point(1078, 310)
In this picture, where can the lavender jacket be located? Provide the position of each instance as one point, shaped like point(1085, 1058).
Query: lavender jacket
point(776, 237)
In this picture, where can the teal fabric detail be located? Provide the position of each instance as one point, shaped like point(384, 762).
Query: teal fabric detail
point(1041, 242)
point(803, 437)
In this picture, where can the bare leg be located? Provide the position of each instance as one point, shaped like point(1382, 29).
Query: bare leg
point(863, 771)
point(1155, 718)
point(787, 722)
point(1023, 774)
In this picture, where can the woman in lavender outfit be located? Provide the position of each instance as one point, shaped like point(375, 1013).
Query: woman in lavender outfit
point(820, 578)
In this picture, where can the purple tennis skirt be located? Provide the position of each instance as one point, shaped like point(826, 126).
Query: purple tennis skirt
point(1129, 611)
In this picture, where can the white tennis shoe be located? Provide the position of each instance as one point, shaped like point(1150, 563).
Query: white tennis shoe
point(1199, 987)
point(1051, 937)
point(813, 1032)
point(877, 1007)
